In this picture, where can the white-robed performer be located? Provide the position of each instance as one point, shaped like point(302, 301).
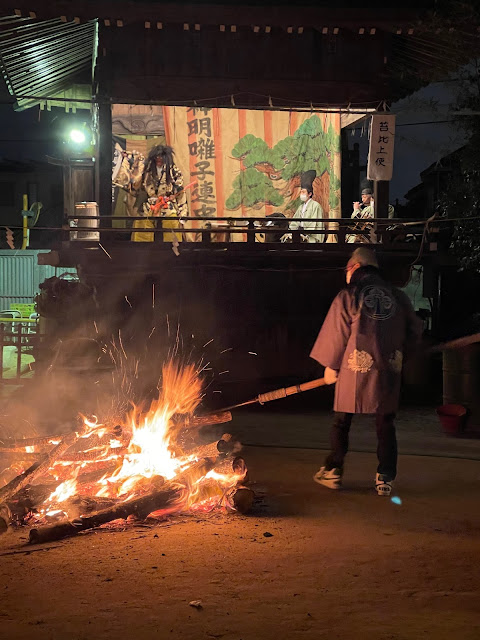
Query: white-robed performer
point(304, 217)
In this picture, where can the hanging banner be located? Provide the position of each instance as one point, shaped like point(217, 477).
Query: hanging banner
point(249, 162)
point(380, 153)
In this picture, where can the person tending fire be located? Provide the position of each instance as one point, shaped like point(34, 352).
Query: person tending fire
point(370, 328)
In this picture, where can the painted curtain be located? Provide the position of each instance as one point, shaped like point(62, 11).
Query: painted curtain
point(249, 162)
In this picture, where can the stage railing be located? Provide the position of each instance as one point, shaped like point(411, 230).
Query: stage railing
point(226, 230)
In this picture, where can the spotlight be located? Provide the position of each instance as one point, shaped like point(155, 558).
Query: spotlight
point(77, 136)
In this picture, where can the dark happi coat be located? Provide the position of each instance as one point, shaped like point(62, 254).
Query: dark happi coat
point(369, 329)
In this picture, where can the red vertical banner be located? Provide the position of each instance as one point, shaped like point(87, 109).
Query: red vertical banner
point(217, 134)
point(242, 131)
point(292, 123)
point(268, 137)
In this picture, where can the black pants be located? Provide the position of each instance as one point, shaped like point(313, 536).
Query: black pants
point(386, 443)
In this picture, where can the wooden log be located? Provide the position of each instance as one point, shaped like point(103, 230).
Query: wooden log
point(42, 443)
point(205, 451)
point(45, 442)
point(140, 507)
point(80, 456)
point(39, 467)
point(5, 518)
point(225, 446)
point(232, 465)
point(196, 422)
point(242, 499)
point(228, 445)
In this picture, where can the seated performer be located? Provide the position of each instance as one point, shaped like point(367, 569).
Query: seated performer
point(277, 221)
point(160, 194)
point(363, 212)
point(304, 217)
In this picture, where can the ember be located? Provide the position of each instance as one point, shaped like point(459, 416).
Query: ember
point(151, 465)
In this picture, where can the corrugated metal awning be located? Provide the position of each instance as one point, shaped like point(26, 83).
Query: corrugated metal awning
point(39, 59)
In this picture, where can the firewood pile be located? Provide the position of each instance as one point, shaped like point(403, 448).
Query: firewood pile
point(155, 463)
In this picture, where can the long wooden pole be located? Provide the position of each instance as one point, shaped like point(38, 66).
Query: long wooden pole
point(281, 393)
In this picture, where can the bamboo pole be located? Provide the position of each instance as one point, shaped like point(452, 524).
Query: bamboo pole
point(281, 393)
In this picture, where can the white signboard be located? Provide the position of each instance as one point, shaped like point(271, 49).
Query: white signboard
point(380, 153)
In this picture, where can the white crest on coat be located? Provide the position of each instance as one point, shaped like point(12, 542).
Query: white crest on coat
point(396, 361)
point(360, 361)
point(378, 303)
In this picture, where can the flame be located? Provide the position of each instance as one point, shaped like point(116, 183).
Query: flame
point(149, 451)
point(146, 454)
point(65, 490)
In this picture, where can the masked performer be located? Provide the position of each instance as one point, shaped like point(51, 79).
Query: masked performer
point(158, 185)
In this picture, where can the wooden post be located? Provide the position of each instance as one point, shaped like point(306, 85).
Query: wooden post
point(2, 343)
point(19, 350)
point(103, 186)
point(380, 196)
point(251, 231)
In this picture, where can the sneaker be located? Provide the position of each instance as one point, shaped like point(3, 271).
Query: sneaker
point(331, 478)
point(383, 485)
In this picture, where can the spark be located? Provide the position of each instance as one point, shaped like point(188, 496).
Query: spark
point(121, 344)
point(225, 350)
point(217, 392)
point(128, 302)
point(168, 325)
point(153, 296)
point(177, 339)
point(203, 368)
point(222, 372)
point(95, 325)
point(103, 249)
point(151, 333)
point(252, 353)
point(208, 342)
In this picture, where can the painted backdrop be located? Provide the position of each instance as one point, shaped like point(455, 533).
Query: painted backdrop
point(248, 163)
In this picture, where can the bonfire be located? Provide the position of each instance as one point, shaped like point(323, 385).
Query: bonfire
point(150, 465)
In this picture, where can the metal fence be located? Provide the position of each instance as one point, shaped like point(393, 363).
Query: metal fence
point(17, 339)
point(21, 275)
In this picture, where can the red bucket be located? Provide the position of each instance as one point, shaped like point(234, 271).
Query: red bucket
point(453, 418)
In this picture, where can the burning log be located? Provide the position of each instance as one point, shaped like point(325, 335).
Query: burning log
point(18, 445)
point(10, 445)
point(210, 418)
point(212, 450)
point(5, 518)
point(242, 499)
point(80, 456)
point(227, 445)
point(140, 507)
point(26, 499)
point(39, 467)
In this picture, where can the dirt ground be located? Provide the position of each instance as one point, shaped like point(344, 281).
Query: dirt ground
point(347, 564)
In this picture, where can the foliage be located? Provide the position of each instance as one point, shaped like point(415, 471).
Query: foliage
point(252, 187)
point(309, 148)
point(461, 198)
